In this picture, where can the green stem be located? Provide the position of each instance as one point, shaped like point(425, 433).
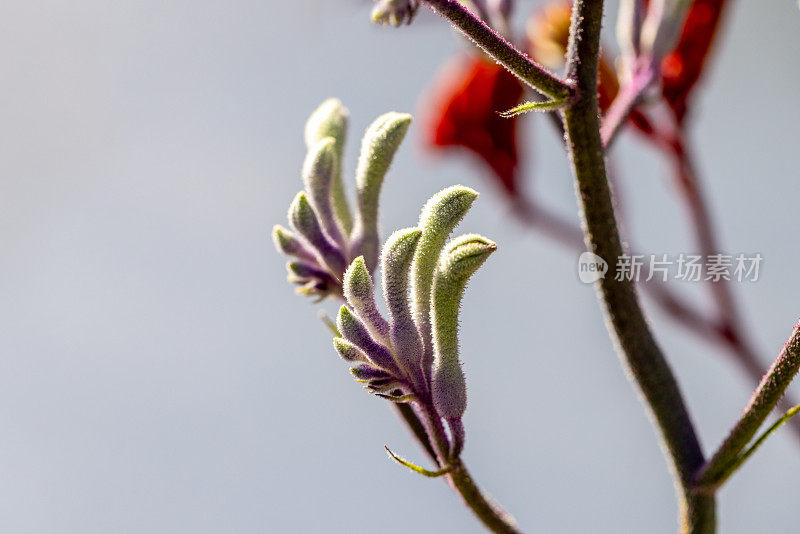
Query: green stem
point(725, 461)
point(501, 50)
point(490, 514)
point(636, 345)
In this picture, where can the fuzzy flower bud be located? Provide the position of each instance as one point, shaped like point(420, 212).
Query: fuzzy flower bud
point(462, 257)
point(324, 240)
point(330, 120)
point(662, 26)
point(394, 12)
point(439, 217)
point(380, 143)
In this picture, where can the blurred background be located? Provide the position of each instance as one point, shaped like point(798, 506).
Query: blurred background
point(157, 373)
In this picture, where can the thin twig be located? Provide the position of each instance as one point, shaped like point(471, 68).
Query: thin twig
point(627, 98)
point(761, 404)
point(502, 51)
point(742, 458)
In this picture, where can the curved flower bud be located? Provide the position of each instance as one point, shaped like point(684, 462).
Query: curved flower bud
point(662, 26)
point(457, 263)
point(311, 279)
point(354, 331)
point(394, 12)
point(396, 256)
point(304, 219)
point(348, 351)
point(360, 293)
point(367, 373)
point(330, 120)
point(439, 217)
point(318, 171)
point(629, 26)
point(378, 147)
point(299, 270)
point(289, 244)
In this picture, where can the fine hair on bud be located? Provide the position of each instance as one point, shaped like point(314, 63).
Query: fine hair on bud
point(330, 120)
point(439, 217)
point(318, 172)
point(378, 147)
point(360, 294)
point(461, 258)
point(304, 219)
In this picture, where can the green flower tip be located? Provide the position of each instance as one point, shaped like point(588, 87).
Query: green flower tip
point(383, 138)
point(318, 171)
point(445, 209)
point(328, 120)
point(282, 238)
point(357, 280)
point(300, 210)
point(464, 255)
point(389, 122)
point(348, 351)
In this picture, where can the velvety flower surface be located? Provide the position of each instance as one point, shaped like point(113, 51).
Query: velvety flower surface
point(325, 235)
point(413, 356)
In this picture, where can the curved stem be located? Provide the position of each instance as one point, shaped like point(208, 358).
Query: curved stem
point(630, 95)
point(501, 50)
point(638, 349)
point(407, 414)
point(491, 515)
point(780, 375)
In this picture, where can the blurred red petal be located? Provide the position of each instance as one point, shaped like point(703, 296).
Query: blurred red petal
point(681, 69)
point(462, 111)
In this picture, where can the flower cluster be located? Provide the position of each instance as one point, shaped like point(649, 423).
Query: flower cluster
point(413, 356)
point(327, 237)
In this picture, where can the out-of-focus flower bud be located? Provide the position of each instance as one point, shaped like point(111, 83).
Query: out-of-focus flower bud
point(394, 12)
point(330, 120)
point(318, 172)
point(304, 219)
point(548, 33)
point(310, 279)
point(661, 27)
point(462, 257)
point(629, 26)
point(327, 242)
point(548, 37)
point(366, 372)
point(288, 243)
point(348, 351)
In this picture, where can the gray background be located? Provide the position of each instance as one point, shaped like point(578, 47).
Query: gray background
point(157, 374)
